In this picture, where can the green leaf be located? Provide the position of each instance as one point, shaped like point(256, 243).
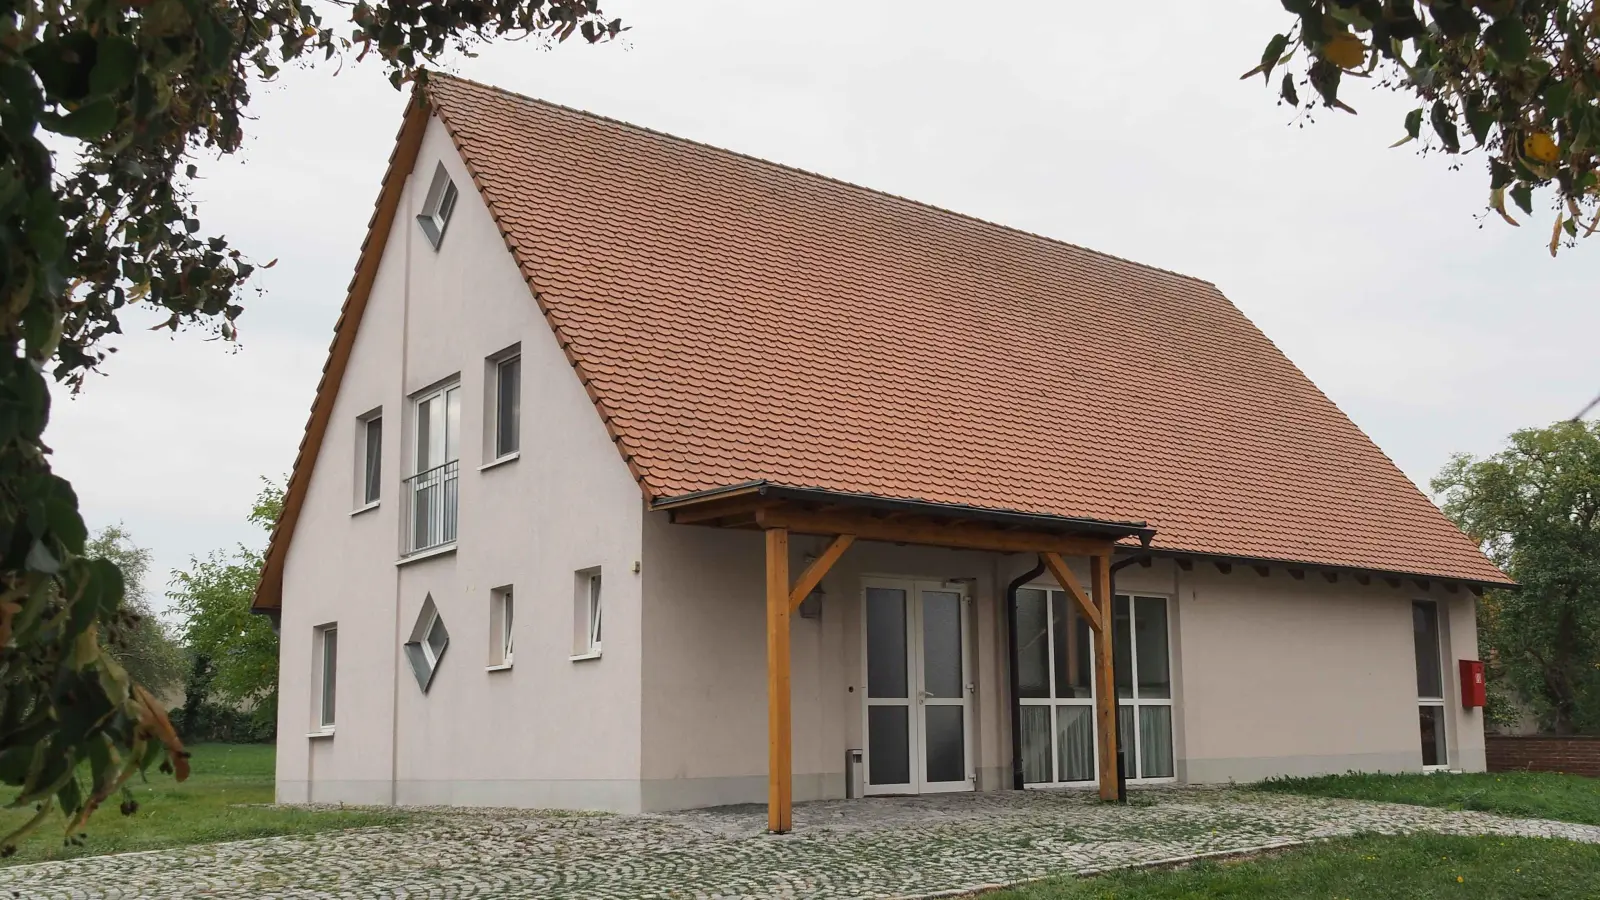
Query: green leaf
point(1287, 91)
point(47, 231)
point(1413, 128)
point(1269, 57)
point(1508, 38)
point(88, 122)
point(1445, 127)
point(1522, 195)
point(62, 517)
point(114, 66)
point(1479, 119)
point(1556, 97)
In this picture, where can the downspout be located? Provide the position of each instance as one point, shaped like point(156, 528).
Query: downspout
point(1014, 676)
point(1122, 749)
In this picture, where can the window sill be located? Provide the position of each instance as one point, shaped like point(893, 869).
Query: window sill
point(324, 733)
point(509, 457)
point(502, 667)
point(427, 554)
point(580, 657)
point(369, 507)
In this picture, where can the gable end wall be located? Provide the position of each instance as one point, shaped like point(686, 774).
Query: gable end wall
point(549, 732)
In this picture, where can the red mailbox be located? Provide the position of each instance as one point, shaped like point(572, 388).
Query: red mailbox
point(1473, 691)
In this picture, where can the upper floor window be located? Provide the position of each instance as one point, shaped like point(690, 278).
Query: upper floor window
point(369, 457)
point(437, 206)
point(507, 404)
point(431, 491)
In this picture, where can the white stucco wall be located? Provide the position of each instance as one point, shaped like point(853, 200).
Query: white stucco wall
point(1272, 675)
point(705, 700)
point(548, 731)
point(1289, 677)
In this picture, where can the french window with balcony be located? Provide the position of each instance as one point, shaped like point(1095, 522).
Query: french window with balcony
point(431, 494)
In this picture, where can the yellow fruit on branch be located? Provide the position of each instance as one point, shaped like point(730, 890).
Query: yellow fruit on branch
point(1345, 50)
point(1540, 147)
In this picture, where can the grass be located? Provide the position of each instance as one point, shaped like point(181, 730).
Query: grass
point(1372, 868)
point(224, 799)
point(1538, 795)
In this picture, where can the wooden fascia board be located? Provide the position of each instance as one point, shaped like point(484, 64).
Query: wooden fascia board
point(963, 537)
point(269, 591)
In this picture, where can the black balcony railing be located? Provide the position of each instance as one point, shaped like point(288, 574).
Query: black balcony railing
point(431, 508)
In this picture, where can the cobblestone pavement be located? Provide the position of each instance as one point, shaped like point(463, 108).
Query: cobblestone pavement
point(887, 847)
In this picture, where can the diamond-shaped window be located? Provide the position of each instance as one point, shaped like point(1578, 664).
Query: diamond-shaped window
point(429, 640)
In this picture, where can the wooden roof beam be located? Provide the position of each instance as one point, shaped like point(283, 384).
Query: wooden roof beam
point(930, 533)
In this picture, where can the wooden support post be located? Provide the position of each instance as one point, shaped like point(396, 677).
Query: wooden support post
point(780, 743)
point(1105, 683)
point(815, 572)
point(1064, 577)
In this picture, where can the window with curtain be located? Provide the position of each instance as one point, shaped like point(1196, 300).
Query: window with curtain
point(1055, 666)
point(1144, 684)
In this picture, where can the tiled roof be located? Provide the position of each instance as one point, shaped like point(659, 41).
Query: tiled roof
point(738, 320)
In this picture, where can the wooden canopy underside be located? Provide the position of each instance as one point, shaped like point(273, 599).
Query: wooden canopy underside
point(845, 524)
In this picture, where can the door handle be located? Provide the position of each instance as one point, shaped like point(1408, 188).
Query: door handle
point(922, 696)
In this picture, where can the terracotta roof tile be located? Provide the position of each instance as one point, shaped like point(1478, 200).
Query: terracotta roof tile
point(740, 320)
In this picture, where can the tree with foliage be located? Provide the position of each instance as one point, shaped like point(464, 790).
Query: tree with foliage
point(1535, 507)
point(235, 651)
point(132, 92)
point(1518, 80)
point(137, 638)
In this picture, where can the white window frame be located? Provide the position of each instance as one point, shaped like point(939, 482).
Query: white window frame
point(494, 379)
point(502, 630)
point(451, 449)
point(1136, 757)
point(428, 653)
point(438, 206)
point(327, 680)
point(1444, 685)
point(588, 611)
point(439, 493)
point(1051, 591)
point(366, 499)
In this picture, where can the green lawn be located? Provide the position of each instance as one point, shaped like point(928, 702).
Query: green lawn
point(1370, 868)
point(1539, 795)
point(209, 806)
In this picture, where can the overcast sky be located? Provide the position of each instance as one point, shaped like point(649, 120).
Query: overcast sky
point(1122, 127)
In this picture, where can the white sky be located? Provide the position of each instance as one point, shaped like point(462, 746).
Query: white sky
point(1121, 127)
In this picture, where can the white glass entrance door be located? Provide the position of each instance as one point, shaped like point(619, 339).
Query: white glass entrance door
point(918, 712)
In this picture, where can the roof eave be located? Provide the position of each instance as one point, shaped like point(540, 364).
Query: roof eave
point(1111, 529)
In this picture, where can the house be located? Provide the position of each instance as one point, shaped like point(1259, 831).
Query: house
point(646, 475)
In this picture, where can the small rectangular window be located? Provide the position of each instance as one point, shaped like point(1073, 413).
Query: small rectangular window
point(371, 458)
point(502, 609)
point(327, 645)
point(507, 406)
point(587, 614)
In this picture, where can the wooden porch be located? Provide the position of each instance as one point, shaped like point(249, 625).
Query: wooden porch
point(780, 511)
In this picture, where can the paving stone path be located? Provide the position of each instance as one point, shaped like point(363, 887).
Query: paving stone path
point(887, 847)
